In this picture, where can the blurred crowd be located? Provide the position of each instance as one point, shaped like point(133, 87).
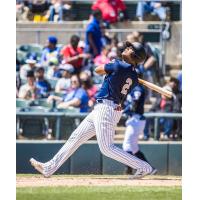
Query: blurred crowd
point(112, 10)
point(64, 75)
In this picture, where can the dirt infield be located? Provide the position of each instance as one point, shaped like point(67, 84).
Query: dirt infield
point(38, 181)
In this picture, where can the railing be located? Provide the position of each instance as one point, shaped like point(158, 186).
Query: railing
point(79, 116)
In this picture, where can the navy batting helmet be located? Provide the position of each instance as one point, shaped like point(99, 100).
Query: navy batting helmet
point(139, 53)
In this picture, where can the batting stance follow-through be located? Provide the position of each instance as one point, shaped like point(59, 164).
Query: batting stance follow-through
point(120, 79)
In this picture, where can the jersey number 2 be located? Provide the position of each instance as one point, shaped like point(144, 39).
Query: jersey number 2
point(126, 86)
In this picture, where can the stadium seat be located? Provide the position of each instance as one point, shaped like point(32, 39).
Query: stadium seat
point(59, 94)
point(31, 49)
point(44, 103)
point(22, 104)
point(70, 110)
point(37, 109)
point(21, 56)
point(36, 48)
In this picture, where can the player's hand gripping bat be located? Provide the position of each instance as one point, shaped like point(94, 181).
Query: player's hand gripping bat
point(156, 88)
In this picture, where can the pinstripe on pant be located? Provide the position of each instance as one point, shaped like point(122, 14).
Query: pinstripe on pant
point(102, 121)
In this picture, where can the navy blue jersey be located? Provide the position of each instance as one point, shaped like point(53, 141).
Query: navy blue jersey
point(121, 78)
point(134, 103)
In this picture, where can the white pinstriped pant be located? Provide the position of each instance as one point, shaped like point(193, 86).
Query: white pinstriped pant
point(101, 121)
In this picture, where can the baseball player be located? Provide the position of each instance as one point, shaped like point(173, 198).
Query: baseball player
point(135, 124)
point(120, 79)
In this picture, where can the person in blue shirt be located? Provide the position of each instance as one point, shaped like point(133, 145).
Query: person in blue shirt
point(120, 79)
point(93, 42)
point(50, 51)
point(154, 8)
point(76, 97)
point(43, 86)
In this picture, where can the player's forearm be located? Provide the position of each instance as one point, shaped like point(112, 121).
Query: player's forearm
point(100, 70)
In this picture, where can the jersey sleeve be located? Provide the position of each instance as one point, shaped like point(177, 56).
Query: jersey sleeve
point(111, 67)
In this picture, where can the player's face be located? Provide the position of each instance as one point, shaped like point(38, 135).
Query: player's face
point(126, 55)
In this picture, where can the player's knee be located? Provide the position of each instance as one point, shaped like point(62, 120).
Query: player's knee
point(106, 150)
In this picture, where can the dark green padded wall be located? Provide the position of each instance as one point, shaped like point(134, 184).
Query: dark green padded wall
point(166, 157)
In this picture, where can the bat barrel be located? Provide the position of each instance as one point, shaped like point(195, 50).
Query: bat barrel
point(156, 88)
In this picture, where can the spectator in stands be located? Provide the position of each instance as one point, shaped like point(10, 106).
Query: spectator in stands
point(77, 97)
point(120, 49)
point(177, 98)
point(114, 43)
point(177, 106)
point(93, 43)
point(91, 89)
point(59, 8)
point(164, 104)
point(30, 65)
point(112, 55)
point(105, 39)
point(21, 11)
point(64, 82)
point(147, 9)
point(43, 86)
point(149, 66)
point(103, 57)
point(179, 77)
point(29, 91)
point(73, 54)
point(50, 51)
point(112, 10)
point(53, 71)
point(38, 10)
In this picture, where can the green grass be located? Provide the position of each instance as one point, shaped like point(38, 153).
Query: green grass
point(99, 193)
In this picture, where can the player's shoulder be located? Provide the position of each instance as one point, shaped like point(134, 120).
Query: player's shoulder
point(123, 63)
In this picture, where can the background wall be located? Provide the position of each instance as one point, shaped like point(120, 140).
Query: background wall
point(165, 156)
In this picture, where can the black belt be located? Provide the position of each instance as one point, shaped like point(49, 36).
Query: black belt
point(101, 101)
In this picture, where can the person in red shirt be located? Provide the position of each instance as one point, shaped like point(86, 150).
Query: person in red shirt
point(73, 54)
point(111, 10)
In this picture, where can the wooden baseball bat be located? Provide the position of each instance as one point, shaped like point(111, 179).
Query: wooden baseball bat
point(156, 88)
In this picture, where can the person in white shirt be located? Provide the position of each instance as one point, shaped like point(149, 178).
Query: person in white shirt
point(30, 65)
point(28, 91)
point(64, 83)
